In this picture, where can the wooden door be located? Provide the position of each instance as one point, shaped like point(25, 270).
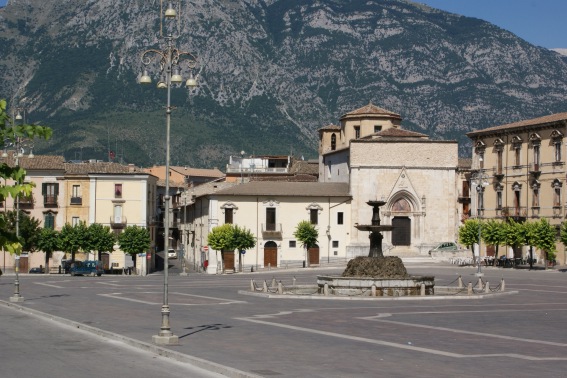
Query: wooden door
point(401, 234)
point(313, 253)
point(270, 256)
point(228, 260)
point(105, 261)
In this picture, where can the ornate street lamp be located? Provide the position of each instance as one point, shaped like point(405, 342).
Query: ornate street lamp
point(481, 180)
point(168, 60)
point(19, 144)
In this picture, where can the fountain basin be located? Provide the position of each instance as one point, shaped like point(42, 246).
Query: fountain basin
point(367, 286)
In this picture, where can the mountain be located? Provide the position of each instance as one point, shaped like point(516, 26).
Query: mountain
point(271, 72)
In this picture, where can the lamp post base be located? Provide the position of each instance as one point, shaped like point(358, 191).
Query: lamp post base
point(165, 340)
point(16, 298)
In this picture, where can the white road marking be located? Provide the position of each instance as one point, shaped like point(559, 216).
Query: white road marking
point(402, 346)
point(220, 301)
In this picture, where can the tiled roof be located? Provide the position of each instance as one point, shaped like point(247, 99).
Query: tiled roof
point(100, 167)
point(291, 189)
point(548, 119)
point(305, 167)
point(188, 171)
point(395, 133)
point(37, 162)
point(370, 110)
point(465, 163)
point(330, 127)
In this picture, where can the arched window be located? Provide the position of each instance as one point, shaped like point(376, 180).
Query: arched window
point(333, 142)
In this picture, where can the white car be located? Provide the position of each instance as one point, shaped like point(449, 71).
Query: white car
point(171, 254)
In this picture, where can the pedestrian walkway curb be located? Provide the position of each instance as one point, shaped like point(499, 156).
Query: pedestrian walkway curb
point(177, 356)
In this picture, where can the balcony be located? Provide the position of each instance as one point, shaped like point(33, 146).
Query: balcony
point(498, 173)
point(516, 213)
point(535, 169)
point(49, 201)
point(25, 202)
point(76, 200)
point(271, 230)
point(118, 222)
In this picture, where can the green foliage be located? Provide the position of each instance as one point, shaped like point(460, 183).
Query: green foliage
point(493, 234)
point(544, 237)
point(101, 239)
point(229, 237)
point(515, 233)
point(306, 233)
point(134, 240)
point(48, 242)
point(10, 132)
point(28, 229)
point(73, 239)
point(468, 233)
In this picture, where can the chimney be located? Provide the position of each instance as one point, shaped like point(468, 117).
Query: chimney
point(131, 167)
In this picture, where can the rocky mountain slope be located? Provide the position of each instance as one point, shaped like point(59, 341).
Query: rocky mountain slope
point(271, 72)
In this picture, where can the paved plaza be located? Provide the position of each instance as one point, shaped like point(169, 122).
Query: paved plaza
point(224, 332)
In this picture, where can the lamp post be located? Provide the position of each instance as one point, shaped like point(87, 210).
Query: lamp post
point(168, 60)
point(19, 145)
point(481, 180)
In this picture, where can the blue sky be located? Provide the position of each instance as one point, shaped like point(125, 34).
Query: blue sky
point(541, 22)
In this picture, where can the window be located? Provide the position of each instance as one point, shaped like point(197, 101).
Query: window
point(118, 190)
point(333, 142)
point(357, 132)
point(556, 193)
point(377, 128)
point(75, 221)
point(499, 162)
point(517, 188)
point(499, 199)
point(76, 195)
point(517, 155)
point(480, 192)
point(49, 221)
point(557, 149)
point(536, 157)
point(117, 214)
point(50, 191)
point(270, 219)
point(340, 217)
point(335, 244)
point(292, 244)
point(314, 216)
point(535, 195)
point(228, 215)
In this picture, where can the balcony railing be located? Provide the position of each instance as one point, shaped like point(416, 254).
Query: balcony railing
point(271, 230)
point(76, 200)
point(49, 200)
point(25, 201)
point(118, 222)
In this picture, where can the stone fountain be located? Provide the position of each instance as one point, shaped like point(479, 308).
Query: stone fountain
point(376, 275)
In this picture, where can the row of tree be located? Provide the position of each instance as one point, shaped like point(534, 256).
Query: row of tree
point(95, 238)
point(539, 234)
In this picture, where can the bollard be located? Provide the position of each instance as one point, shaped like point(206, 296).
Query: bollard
point(269, 266)
point(273, 282)
point(373, 290)
point(252, 285)
point(294, 279)
point(469, 289)
point(461, 285)
point(280, 288)
point(326, 290)
point(252, 269)
point(422, 291)
point(265, 287)
point(502, 285)
point(487, 288)
point(479, 285)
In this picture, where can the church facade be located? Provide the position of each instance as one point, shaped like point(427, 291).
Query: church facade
point(415, 176)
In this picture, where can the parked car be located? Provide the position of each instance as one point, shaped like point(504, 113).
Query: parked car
point(446, 247)
point(36, 271)
point(171, 254)
point(89, 267)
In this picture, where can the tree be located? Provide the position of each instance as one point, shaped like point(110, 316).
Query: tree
point(515, 233)
point(545, 236)
point(101, 239)
point(307, 235)
point(134, 240)
point(221, 239)
point(48, 242)
point(28, 229)
point(243, 240)
point(74, 238)
point(468, 233)
point(10, 133)
point(493, 234)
